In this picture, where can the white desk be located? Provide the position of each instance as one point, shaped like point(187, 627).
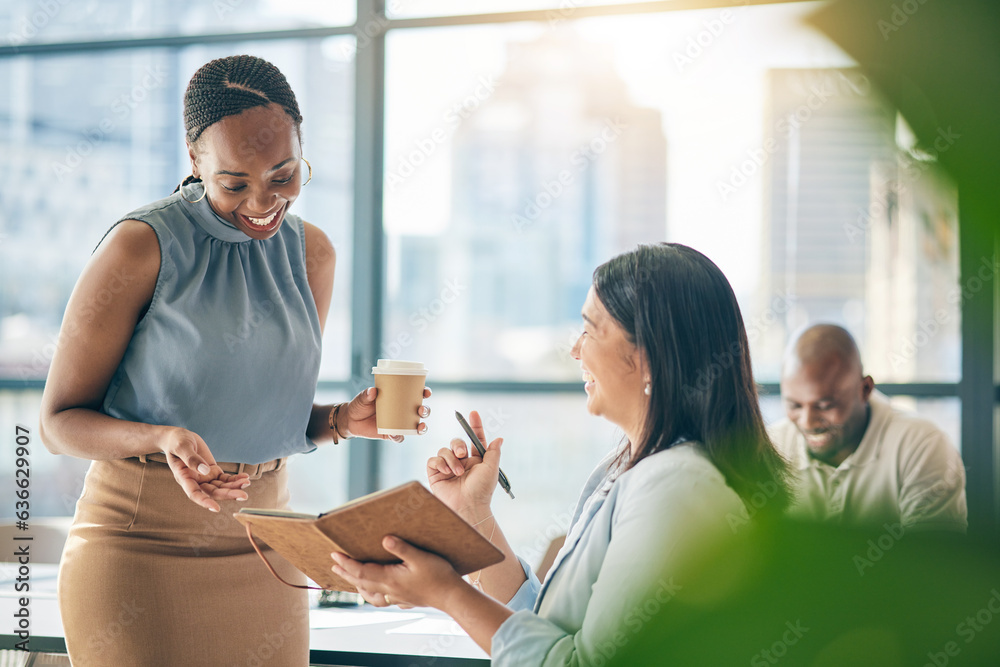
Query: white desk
point(338, 636)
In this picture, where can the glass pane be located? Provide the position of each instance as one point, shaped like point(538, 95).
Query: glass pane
point(946, 413)
point(29, 21)
point(56, 480)
point(560, 10)
point(73, 169)
point(547, 148)
point(318, 480)
point(551, 445)
point(911, 298)
point(771, 408)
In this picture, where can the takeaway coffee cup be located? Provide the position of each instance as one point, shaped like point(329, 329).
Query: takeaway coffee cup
point(400, 387)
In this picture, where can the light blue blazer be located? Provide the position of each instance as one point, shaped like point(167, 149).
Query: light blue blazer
point(627, 537)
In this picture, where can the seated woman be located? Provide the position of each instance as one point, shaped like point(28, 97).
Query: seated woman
point(665, 357)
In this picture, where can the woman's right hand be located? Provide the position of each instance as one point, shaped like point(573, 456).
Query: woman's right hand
point(196, 471)
point(463, 480)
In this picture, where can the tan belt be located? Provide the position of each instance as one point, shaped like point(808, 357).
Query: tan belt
point(255, 470)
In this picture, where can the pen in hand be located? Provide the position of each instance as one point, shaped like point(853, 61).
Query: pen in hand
point(504, 484)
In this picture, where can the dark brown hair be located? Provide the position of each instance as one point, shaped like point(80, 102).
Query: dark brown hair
point(675, 304)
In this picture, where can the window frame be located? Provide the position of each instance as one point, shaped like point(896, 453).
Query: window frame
point(977, 390)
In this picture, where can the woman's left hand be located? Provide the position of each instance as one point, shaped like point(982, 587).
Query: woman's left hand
point(421, 580)
point(361, 416)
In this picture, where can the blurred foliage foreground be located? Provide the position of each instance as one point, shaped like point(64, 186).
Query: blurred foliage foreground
point(793, 593)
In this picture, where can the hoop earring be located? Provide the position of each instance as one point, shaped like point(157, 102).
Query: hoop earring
point(204, 191)
point(310, 173)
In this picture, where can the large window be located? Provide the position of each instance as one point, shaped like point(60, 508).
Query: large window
point(549, 147)
point(90, 136)
point(485, 165)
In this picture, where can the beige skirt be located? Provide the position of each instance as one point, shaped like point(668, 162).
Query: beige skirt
point(149, 578)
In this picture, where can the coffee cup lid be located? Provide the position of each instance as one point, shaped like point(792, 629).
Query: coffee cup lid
point(399, 367)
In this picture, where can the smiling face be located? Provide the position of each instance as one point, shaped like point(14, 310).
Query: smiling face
point(612, 369)
point(827, 400)
point(251, 166)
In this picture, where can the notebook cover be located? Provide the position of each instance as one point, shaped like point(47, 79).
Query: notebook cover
point(408, 511)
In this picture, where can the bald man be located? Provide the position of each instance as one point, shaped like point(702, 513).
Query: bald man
point(859, 461)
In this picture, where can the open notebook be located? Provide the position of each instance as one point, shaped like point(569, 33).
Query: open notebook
point(408, 511)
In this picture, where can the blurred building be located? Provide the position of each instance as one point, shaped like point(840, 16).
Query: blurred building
point(554, 173)
point(83, 144)
point(913, 327)
point(824, 128)
point(862, 231)
point(87, 139)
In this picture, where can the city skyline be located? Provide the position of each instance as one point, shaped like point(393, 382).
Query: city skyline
point(555, 172)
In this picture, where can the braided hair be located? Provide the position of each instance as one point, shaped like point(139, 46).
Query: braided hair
point(228, 86)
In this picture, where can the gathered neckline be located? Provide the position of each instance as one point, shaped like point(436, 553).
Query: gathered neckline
point(201, 212)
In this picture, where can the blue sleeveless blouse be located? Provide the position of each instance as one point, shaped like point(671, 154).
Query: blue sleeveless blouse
point(230, 345)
